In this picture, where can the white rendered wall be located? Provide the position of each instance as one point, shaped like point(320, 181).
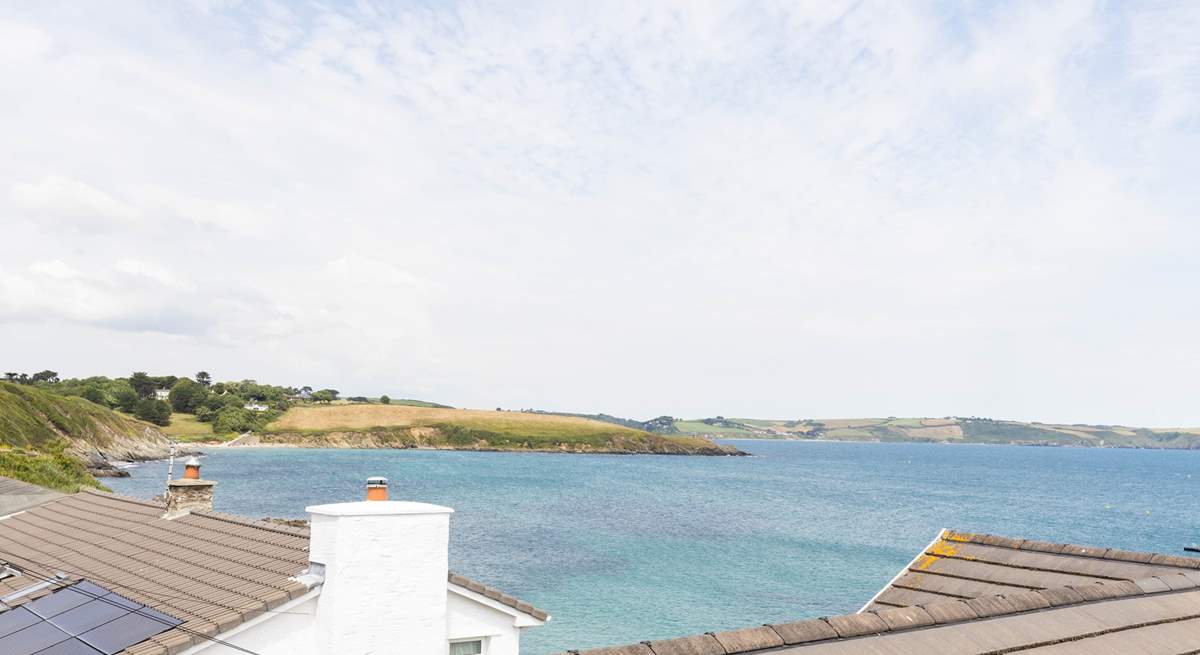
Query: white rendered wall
point(469, 619)
point(385, 577)
point(291, 630)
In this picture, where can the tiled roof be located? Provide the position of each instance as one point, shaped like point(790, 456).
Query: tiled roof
point(1112, 617)
point(211, 569)
point(967, 565)
point(499, 596)
point(1094, 615)
point(16, 496)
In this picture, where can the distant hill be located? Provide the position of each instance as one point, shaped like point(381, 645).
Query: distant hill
point(52, 440)
point(359, 425)
point(946, 430)
point(660, 425)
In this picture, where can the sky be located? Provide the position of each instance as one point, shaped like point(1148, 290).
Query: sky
point(754, 209)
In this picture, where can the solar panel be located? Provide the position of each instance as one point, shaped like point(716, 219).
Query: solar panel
point(87, 616)
point(83, 619)
point(30, 640)
point(121, 633)
point(69, 647)
point(57, 602)
point(14, 620)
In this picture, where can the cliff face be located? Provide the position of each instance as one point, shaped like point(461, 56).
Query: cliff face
point(43, 436)
point(459, 437)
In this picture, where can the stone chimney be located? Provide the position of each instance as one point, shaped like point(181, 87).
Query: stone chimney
point(190, 492)
point(384, 564)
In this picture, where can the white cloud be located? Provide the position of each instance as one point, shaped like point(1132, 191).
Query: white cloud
point(73, 202)
point(55, 269)
point(689, 208)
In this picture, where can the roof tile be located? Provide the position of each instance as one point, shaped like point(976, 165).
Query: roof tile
point(748, 639)
point(986, 606)
point(1022, 601)
point(704, 644)
point(854, 625)
point(898, 618)
point(949, 611)
point(631, 649)
point(1152, 585)
point(801, 632)
point(1061, 596)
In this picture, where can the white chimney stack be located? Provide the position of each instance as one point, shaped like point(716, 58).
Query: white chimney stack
point(385, 565)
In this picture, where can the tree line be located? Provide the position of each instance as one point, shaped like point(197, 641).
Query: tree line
point(227, 405)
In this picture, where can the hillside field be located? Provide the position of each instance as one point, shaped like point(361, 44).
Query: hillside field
point(485, 429)
point(944, 430)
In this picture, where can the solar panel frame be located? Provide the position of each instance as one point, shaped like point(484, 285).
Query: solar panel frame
point(87, 616)
point(28, 641)
point(17, 619)
point(71, 646)
point(82, 619)
point(117, 635)
point(57, 602)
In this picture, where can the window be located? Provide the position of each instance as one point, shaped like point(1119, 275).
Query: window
point(472, 647)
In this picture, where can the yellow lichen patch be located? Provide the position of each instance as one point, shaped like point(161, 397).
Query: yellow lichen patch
point(923, 562)
point(941, 548)
point(944, 548)
point(958, 536)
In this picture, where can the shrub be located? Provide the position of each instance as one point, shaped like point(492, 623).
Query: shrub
point(234, 419)
point(384, 400)
point(186, 395)
point(156, 411)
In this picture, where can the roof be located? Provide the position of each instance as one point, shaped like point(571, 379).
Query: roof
point(16, 496)
point(212, 570)
point(499, 596)
point(968, 565)
point(1091, 617)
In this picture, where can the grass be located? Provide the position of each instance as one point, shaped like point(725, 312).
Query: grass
point(185, 427)
point(57, 471)
point(700, 427)
point(33, 418)
point(409, 425)
point(38, 429)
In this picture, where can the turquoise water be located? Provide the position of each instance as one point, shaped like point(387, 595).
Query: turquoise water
point(625, 548)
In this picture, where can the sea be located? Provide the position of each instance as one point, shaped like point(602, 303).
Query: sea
point(624, 548)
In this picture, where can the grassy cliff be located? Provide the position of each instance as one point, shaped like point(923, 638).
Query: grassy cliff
point(391, 426)
point(50, 440)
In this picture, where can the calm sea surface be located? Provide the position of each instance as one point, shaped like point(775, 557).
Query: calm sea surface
point(625, 548)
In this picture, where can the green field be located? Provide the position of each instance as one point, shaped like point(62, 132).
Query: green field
point(948, 430)
point(412, 426)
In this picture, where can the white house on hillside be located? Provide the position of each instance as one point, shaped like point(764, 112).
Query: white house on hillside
point(366, 577)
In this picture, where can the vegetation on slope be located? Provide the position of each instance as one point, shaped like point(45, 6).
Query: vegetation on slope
point(944, 430)
point(399, 426)
point(41, 434)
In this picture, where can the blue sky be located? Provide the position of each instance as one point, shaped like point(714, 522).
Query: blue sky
point(688, 208)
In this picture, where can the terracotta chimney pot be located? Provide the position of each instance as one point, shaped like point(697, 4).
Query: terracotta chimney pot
point(191, 469)
point(377, 488)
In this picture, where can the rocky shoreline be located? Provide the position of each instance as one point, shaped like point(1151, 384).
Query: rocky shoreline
point(411, 439)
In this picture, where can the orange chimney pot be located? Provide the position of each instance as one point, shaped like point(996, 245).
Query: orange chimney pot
point(377, 488)
point(191, 469)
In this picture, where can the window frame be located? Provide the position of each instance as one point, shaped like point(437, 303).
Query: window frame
point(483, 643)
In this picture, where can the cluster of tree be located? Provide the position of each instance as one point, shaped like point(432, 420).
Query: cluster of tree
point(47, 376)
point(230, 406)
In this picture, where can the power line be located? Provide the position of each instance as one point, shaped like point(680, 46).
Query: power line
point(195, 633)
